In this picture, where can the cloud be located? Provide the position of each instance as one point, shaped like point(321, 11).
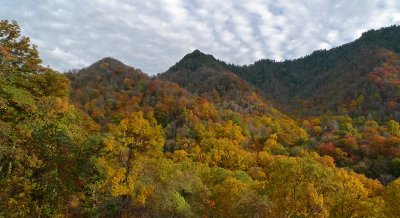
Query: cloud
point(153, 35)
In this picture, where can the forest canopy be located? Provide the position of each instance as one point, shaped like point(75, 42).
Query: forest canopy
point(196, 141)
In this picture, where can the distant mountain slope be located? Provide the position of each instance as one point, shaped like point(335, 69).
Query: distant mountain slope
point(205, 76)
point(360, 78)
point(108, 91)
point(106, 71)
point(334, 79)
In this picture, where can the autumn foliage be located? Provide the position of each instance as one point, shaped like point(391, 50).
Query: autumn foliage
point(110, 141)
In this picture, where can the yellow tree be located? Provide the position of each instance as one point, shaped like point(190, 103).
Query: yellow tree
point(222, 143)
point(392, 199)
point(228, 195)
point(296, 187)
point(133, 137)
point(350, 197)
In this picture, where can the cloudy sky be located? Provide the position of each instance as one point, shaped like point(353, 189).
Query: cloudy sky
point(154, 34)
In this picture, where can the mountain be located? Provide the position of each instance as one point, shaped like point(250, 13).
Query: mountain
point(205, 76)
point(108, 91)
point(347, 98)
point(106, 71)
point(360, 77)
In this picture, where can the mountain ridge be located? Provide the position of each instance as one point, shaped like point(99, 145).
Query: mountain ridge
point(291, 83)
point(325, 80)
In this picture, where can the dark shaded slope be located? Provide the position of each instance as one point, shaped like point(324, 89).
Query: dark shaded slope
point(329, 80)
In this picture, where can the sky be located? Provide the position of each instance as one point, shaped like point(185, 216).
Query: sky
point(153, 35)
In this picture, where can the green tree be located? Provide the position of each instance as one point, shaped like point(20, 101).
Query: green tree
point(16, 53)
point(45, 143)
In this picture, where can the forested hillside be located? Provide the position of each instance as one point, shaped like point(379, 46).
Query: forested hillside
point(203, 139)
point(359, 78)
point(349, 112)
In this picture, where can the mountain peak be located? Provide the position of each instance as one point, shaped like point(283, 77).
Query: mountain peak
point(107, 63)
point(197, 54)
point(384, 31)
point(386, 37)
point(110, 60)
point(107, 68)
point(197, 51)
point(197, 59)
